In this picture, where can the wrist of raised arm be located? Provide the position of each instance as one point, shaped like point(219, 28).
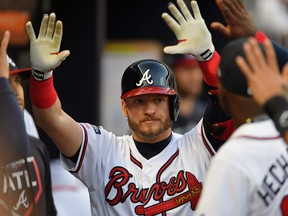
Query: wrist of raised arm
point(42, 94)
point(209, 69)
point(277, 108)
point(40, 76)
point(206, 55)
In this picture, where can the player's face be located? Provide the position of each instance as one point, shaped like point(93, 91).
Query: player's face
point(222, 98)
point(148, 117)
point(15, 84)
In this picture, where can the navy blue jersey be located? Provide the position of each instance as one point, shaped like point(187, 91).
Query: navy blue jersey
point(25, 178)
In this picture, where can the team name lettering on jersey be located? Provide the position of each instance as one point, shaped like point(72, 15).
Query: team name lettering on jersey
point(17, 181)
point(146, 76)
point(276, 176)
point(185, 186)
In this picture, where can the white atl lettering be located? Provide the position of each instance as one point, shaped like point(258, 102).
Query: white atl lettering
point(146, 77)
point(16, 181)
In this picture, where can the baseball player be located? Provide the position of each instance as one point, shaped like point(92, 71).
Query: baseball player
point(37, 156)
point(13, 146)
point(154, 171)
point(18, 194)
point(248, 176)
point(268, 86)
point(240, 24)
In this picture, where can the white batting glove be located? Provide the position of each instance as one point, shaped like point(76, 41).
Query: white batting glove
point(192, 33)
point(44, 50)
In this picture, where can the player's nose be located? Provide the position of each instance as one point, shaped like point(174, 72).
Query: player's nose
point(150, 108)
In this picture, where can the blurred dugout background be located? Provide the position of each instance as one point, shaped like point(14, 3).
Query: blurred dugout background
point(104, 37)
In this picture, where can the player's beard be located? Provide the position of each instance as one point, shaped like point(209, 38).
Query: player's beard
point(149, 133)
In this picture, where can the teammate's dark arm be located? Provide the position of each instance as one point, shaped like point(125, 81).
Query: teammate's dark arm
point(238, 24)
point(13, 137)
point(277, 108)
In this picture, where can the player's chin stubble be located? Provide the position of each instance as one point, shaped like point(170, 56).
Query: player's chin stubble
point(149, 133)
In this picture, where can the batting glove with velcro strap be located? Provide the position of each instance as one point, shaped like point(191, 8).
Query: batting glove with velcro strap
point(192, 33)
point(44, 50)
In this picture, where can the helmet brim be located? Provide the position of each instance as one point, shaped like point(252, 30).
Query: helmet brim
point(24, 72)
point(149, 90)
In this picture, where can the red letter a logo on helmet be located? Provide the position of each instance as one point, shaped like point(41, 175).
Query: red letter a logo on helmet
point(146, 77)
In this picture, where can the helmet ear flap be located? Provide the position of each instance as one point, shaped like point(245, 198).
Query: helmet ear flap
point(174, 104)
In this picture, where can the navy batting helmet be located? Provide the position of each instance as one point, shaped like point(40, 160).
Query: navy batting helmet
point(151, 77)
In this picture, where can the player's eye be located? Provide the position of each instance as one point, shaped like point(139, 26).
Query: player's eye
point(160, 99)
point(18, 80)
point(137, 101)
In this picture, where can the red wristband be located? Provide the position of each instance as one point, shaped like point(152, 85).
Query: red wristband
point(42, 94)
point(209, 69)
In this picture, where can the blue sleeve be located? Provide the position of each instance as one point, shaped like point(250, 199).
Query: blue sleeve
point(13, 136)
point(282, 54)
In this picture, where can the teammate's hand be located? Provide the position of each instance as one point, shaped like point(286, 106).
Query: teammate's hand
point(44, 50)
point(192, 33)
point(239, 22)
point(4, 67)
point(263, 76)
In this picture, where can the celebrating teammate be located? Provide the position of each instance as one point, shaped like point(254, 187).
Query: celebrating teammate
point(248, 176)
point(37, 151)
point(13, 146)
point(8, 112)
point(23, 191)
point(153, 171)
point(268, 86)
point(240, 24)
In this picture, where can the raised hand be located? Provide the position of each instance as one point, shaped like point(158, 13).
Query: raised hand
point(262, 73)
point(4, 68)
point(239, 22)
point(44, 50)
point(192, 33)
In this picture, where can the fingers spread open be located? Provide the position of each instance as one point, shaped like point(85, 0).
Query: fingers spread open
point(196, 10)
point(43, 26)
point(244, 67)
point(271, 56)
point(57, 37)
point(185, 11)
point(30, 31)
point(176, 13)
point(173, 25)
point(253, 55)
point(51, 25)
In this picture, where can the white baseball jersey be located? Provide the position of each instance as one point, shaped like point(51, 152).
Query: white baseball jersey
point(122, 182)
point(249, 174)
point(70, 196)
point(31, 128)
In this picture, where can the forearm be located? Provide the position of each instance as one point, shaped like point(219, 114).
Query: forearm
point(60, 127)
point(218, 126)
point(209, 69)
point(14, 140)
point(277, 108)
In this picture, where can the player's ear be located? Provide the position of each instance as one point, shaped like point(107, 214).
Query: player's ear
point(124, 108)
